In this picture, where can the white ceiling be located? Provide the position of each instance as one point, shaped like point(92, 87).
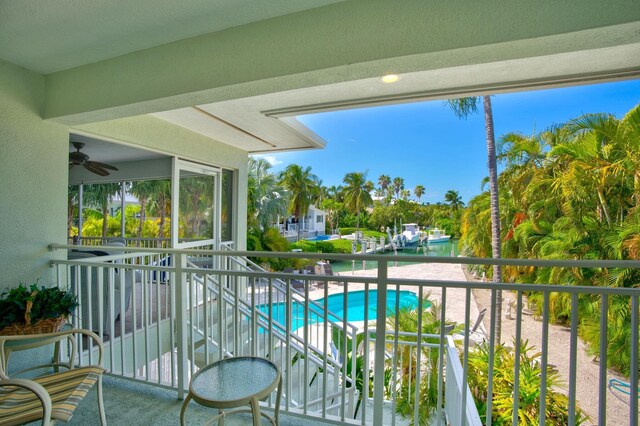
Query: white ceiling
point(52, 35)
point(48, 36)
point(110, 152)
point(268, 122)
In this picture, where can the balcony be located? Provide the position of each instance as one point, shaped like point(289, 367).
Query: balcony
point(187, 308)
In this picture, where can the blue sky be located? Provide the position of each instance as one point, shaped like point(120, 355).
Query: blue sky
point(426, 144)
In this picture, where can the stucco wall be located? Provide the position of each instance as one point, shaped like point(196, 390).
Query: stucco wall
point(33, 179)
point(34, 172)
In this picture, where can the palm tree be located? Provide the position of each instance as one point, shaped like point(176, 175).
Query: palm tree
point(369, 186)
point(266, 198)
point(356, 196)
point(300, 184)
point(384, 181)
point(405, 194)
point(99, 196)
point(160, 201)
point(335, 192)
point(142, 190)
point(454, 199)
point(398, 185)
point(72, 201)
point(462, 108)
point(419, 191)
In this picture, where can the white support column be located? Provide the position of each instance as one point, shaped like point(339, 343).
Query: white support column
point(122, 208)
point(80, 207)
point(175, 198)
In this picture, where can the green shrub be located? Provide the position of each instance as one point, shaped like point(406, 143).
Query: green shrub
point(328, 246)
point(347, 231)
point(530, 385)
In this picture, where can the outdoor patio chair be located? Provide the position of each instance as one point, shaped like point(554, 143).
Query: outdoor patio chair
point(55, 394)
point(481, 315)
point(476, 336)
point(295, 283)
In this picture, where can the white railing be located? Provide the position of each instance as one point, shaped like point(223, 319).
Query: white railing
point(455, 390)
point(130, 242)
point(181, 317)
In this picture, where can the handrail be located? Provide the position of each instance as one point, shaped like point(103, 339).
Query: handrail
point(386, 258)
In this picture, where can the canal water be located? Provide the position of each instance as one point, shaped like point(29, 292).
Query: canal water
point(448, 249)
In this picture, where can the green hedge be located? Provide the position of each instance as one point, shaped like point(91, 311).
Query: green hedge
point(329, 246)
point(368, 233)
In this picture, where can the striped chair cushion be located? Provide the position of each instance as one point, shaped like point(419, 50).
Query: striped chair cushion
point(18, 405)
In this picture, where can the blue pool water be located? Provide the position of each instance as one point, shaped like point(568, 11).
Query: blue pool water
point(319, 238)
point(335, 305)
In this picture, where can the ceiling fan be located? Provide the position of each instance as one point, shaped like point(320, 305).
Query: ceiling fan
point(81, 159)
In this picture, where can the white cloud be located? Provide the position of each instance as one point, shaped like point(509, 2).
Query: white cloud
point(271, 159)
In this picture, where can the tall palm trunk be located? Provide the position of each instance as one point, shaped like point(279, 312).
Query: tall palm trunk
point(163, 216)
point(143, 206)
point(495, 209)
point(105, 219)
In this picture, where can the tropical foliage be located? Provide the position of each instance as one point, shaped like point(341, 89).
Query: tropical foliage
point(406, 321)
point(570, 192)
point(557, 403)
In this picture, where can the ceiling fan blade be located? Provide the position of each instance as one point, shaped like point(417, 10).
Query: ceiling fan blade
point(103, 165)
point(97, 170)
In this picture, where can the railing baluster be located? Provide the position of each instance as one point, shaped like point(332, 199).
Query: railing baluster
point(465, 368)
point(516, 368)
point(288, 347)
point(416, 396)
point(134, 312)
point(396, 326)
point(365, 391)
point(633, 394)
point(544, 361)
point(345, 353)
point(145, 319)
point(193, 320)
point(492, 352)
point(443, 318)
point(573, 360)
point(602, 380)
point(305, 332)
point(112, 355)
point(327, 349)
point(158, 278)
point(378, 371)
point(206, 297)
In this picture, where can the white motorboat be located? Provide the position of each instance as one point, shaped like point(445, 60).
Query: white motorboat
point(436, 235)
point(410, 235)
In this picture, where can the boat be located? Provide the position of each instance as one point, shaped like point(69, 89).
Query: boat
point(435, 236)
point(410, 235)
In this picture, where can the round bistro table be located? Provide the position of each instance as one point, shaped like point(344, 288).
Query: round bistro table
point(235, 382)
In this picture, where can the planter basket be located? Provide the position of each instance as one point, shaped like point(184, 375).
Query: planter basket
point(45, 325)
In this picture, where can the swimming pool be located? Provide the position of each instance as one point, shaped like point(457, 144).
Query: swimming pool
point(335, 305)
point(319, 238)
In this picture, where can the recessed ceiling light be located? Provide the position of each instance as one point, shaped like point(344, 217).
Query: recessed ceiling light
point(390, 78)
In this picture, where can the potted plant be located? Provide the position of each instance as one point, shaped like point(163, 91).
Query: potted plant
point(33, 310)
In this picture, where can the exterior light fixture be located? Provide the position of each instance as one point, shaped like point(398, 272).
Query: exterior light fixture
point(390, 78)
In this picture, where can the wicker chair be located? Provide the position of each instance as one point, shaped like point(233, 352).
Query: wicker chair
point(55, 394)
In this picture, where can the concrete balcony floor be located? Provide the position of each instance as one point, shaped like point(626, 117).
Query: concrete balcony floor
point(132, 404)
